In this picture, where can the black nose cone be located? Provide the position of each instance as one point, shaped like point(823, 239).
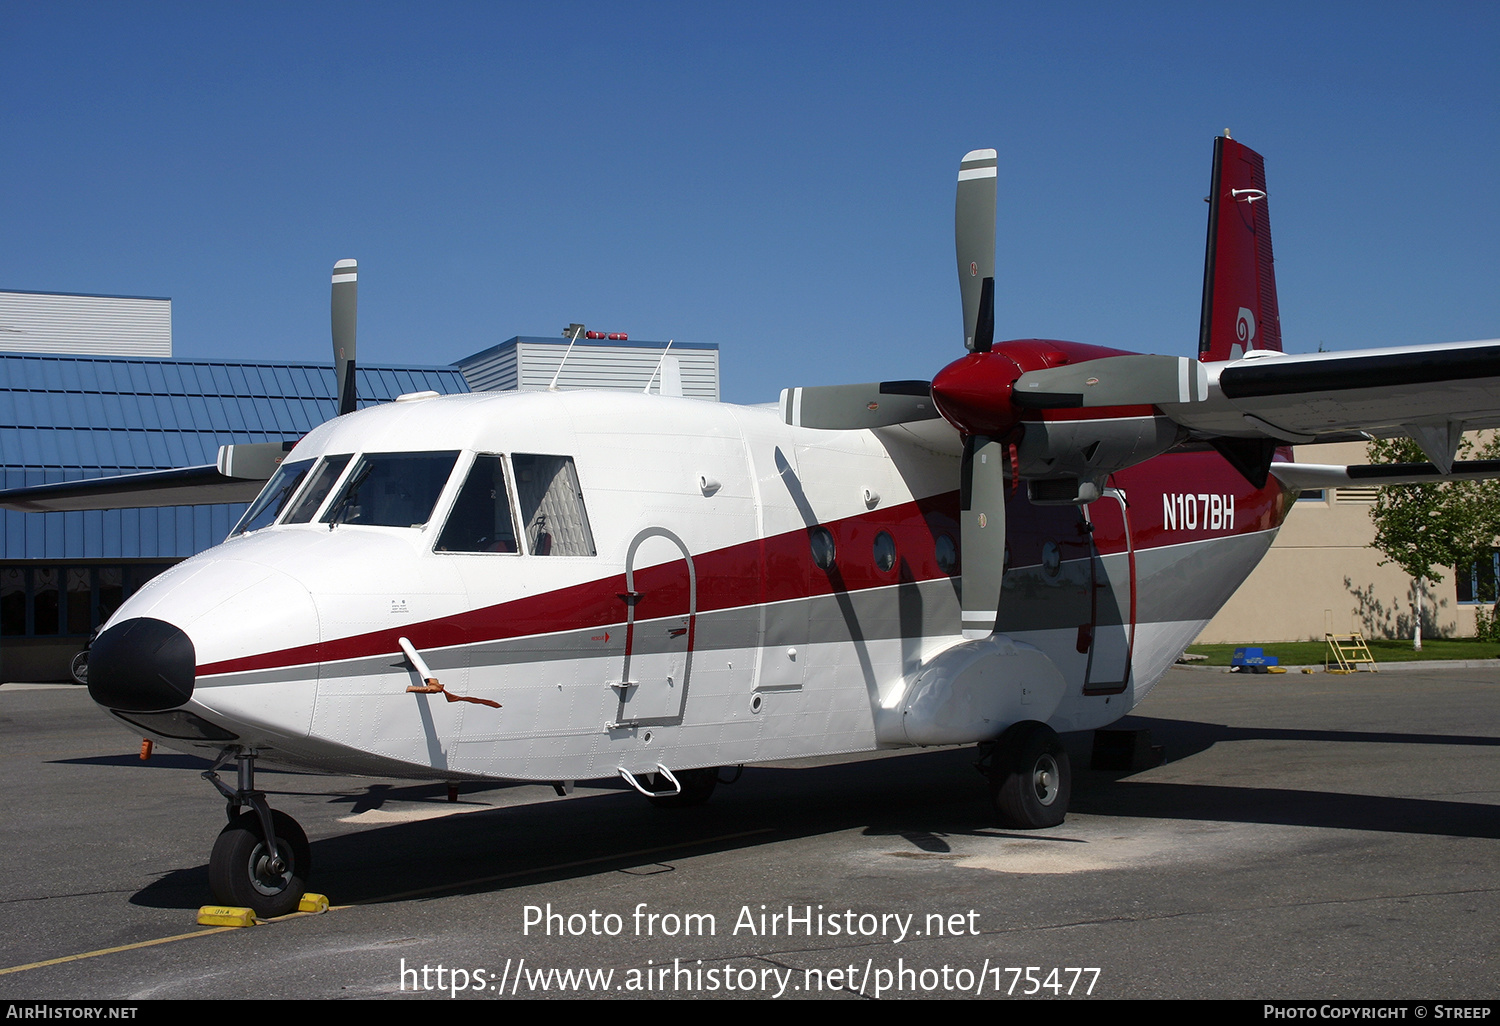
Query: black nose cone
point(142, 665)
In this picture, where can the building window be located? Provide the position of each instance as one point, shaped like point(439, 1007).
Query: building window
point(1476, 580)
point(1313, 495)
point(55, 601)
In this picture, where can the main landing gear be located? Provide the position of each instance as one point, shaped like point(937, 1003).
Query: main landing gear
point(244, 870)
point(1030, 777)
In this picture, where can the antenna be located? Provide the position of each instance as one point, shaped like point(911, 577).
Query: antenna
point(657, 369)
point(575, 330)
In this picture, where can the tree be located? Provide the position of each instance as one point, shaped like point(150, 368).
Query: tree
point(1426, 529)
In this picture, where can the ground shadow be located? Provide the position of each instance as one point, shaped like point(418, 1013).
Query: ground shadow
point(922, 801)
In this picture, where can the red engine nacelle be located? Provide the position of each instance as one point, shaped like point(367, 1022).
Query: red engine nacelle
point(974, 392)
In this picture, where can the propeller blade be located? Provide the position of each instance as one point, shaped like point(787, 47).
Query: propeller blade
point(846, 407)
point(1113, 381)
point(982, 533)
point(344, 310)
point(974, 239)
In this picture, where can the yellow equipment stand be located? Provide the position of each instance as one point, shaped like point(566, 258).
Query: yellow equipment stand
point(1350, 652)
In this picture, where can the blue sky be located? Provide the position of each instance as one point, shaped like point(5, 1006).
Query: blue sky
point(774, 178)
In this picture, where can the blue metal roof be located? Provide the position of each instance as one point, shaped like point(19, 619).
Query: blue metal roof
point(68, 417)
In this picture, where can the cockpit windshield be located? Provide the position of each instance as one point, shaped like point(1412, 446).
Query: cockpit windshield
point(273, 497)
point(317, 489)
point(397, 489)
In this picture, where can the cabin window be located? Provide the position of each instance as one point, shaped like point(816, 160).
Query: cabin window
point(556, 523)
point(318, 488)
point(273, 497)
point(480, 520)
point(824, 552)
point(392, 489)
point(885, 552)
point(1051, 559)
point(946, 552)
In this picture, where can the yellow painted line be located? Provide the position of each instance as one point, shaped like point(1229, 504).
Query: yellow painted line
point(389, 897)
point(122, 947)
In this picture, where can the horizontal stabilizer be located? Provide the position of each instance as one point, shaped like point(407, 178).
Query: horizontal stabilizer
point(1318, 475)
point(849, 407)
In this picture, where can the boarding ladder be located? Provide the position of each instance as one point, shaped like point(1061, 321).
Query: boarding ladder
point(1350, 652)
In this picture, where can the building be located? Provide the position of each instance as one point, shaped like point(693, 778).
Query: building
point(91, 391)
point(1321, 575)
point(83, 325)
point(68, 417)
point(529, 363)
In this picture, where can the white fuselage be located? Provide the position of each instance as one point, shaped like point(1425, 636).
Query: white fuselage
point(703, 631)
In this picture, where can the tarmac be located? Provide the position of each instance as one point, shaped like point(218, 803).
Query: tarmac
point(1309, 837)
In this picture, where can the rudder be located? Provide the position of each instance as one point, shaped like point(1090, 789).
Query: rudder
point(1239, 275)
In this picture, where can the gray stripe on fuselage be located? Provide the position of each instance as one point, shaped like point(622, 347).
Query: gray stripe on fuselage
point(1187, 581)
point(1193, 580)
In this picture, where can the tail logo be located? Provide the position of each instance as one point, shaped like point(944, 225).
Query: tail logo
point(1244, 328)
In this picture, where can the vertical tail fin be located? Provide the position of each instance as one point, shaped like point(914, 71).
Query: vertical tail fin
point(1239, 275)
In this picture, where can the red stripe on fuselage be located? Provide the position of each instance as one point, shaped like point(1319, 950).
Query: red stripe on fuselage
point(780, 568)
point(758, 572)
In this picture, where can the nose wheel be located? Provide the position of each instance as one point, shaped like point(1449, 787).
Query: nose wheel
point(261, 858)
point(246, 872)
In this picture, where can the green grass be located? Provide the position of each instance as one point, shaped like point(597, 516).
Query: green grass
point(1306, 653)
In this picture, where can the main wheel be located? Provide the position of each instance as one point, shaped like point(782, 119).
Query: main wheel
point(697, 786)
point(1031, 780)
point(241, 872)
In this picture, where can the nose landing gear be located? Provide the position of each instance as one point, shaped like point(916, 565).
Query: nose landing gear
point(245, 870)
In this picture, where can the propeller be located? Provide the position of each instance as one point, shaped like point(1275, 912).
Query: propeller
point(344, 314)
point(871, 405)
point(986, 393)
point(1130, 380)
point(982, 485)
point(974, 242)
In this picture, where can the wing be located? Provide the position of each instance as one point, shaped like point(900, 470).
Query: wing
point(1431, 393)
point(238, 476)
point(1076, 413)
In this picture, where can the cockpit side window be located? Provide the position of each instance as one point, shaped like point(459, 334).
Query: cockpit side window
point(394, 489)
point(317, 489)
point(480, 520)
point(273, 497)
point(556, 523)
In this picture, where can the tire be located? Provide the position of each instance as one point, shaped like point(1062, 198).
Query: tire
point(79, 667)
point(1031, 780)
point(697, 786)
point(238, 871)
